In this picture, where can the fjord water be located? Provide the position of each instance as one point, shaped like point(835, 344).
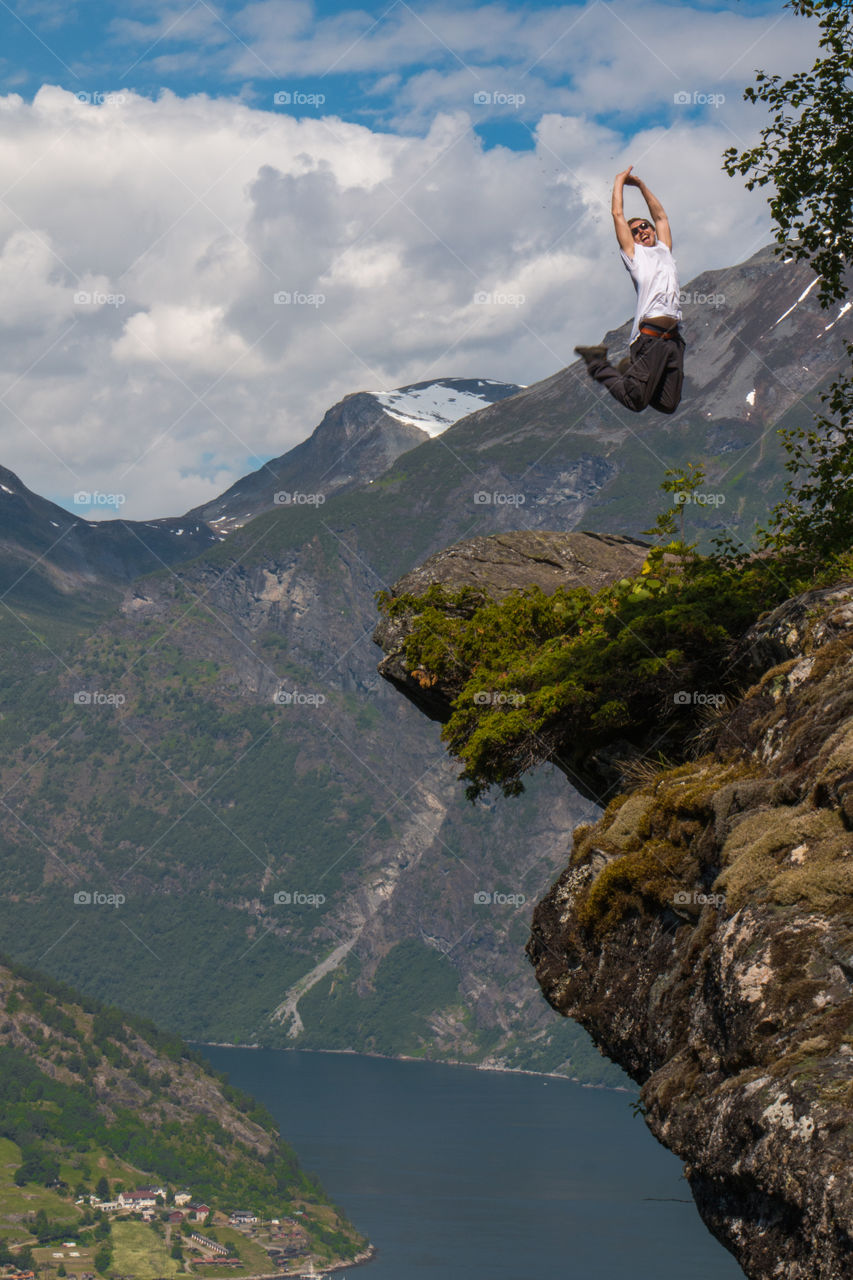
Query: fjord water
point(457, 1174)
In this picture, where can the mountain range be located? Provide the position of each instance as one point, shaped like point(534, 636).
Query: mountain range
point(50, 554)
point(193, 720)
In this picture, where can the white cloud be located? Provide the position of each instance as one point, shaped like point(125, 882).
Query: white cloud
point(29, 285)
point(618, 56)
point(183, 218)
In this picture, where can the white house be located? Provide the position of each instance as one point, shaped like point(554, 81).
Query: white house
point(137, 1200)
point(182, 1198)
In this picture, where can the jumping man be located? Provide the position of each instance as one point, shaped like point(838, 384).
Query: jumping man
point(653, 372)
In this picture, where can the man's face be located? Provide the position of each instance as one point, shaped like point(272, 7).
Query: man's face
point(643, 233)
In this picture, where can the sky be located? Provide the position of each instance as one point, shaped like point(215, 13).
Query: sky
point(218, 219)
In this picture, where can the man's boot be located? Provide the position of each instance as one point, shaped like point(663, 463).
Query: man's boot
point(592, 355)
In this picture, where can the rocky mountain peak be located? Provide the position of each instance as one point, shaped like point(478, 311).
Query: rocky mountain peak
point(357, 440)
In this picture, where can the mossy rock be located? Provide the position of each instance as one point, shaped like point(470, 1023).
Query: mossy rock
point(653, 843)
point(790, 854)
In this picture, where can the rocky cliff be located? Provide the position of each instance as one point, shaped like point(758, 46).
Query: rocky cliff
point(702, 932)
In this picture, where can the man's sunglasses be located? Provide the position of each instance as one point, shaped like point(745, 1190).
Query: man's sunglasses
point(641, 226)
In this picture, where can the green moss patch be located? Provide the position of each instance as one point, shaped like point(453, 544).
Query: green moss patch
point(658, 841)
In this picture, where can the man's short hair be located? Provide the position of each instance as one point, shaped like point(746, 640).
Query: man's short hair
point(639, 218)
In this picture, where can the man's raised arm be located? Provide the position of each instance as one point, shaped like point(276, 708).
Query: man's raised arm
point(623, 231)
point(656, 212)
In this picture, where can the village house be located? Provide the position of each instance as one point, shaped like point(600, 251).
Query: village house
point(243, 1217)
point(175, 1216)
point(137, 1200)
point(182, 1198)
point(208, 1244)
point(199, 1211)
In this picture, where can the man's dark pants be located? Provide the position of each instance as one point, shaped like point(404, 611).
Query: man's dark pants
point(654, 376)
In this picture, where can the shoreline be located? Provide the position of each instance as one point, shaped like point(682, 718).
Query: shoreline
point(445, 1062)
point(360, 1260)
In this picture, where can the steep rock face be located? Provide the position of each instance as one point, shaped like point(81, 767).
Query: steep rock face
point(703, 934)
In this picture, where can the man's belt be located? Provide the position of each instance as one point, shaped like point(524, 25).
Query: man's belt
point(657, 331)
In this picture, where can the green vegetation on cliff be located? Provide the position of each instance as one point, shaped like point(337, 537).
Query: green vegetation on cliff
point(537, 677)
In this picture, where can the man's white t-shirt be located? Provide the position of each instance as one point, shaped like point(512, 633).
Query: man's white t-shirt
point(655, 278)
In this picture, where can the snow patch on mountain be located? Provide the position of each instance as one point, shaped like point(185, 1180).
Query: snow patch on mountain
point(435, 406)
point(803, 295)
point(842, 312)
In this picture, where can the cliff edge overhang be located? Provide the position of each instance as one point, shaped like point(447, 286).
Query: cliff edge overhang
point(490, 568)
